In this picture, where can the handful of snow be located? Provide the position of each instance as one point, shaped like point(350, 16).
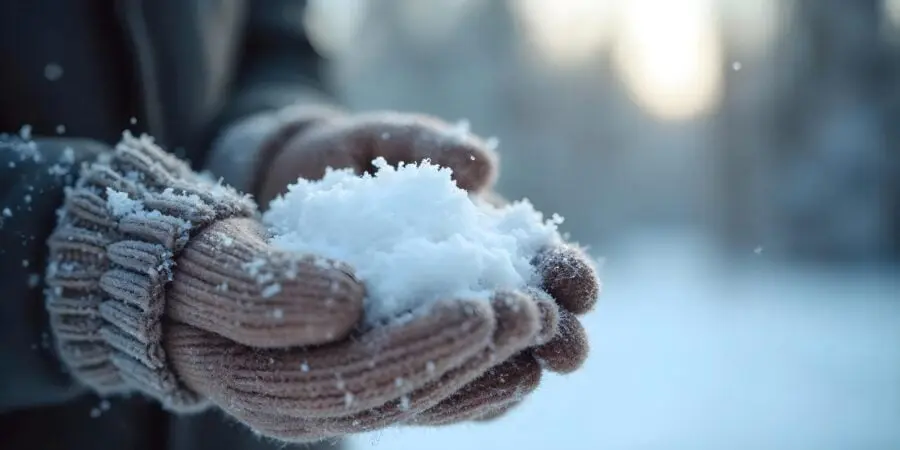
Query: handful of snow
point(411, 235)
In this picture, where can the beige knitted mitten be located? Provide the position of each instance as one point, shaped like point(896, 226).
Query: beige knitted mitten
point(352, 141)
point(572, 282)
point(118, 275)
point(162, 282)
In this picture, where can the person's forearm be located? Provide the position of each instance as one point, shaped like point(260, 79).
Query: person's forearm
point(279, 90)
point(33, 176)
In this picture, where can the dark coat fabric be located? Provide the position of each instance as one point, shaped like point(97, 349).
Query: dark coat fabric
point(77, 73)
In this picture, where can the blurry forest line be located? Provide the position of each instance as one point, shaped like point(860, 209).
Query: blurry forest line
point(767, 125)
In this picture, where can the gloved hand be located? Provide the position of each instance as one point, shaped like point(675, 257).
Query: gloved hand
point(161, 282)
point(118, 279)
point(303, 141)
point(307, 141)
point(457, 360)
point(570, 280)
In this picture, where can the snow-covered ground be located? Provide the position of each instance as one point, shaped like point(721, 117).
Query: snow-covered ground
point(691, 353)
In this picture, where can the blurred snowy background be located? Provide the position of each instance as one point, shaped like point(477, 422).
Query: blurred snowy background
point(734, 163)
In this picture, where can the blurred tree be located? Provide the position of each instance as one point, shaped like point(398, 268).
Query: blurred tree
point(808, 166)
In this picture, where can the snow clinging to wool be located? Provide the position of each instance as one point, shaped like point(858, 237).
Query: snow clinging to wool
point(411, 235)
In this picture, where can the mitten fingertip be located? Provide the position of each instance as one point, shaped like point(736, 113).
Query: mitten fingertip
point(566, 352)
point(518, 321)
point(570, 278)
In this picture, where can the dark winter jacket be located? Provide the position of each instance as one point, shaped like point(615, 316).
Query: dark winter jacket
point(79, 72)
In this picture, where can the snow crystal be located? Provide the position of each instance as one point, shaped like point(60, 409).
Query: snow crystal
point(21, 145)
point(304, 367)
point(7, 212)
point(166, 266)
point(133, 120)
point(348, 399)
point(265, 278)
point(95, 413)
point(58, 170)
point(225, 239)
point(462, 128)
point(492, 143)
point(53, 71)
point(120, 204)
point(429, 366)
point(411, 235)
point(404, 403)
point(60, 129)
point(253, 267)
point(278, 313)
point(68, 155)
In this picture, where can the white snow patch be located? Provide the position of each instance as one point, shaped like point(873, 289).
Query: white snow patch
point(120, 204)
point(348, 399)
point(411, 235)
point(462, 128)
point(253, 267)
point(25, 132)
point(225, 239)
point(68, 155)
point(404, 403)
point(53, 71)
point(492, 143)
point(58, 170)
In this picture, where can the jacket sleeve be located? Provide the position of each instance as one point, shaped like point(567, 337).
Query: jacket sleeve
point(33, 176)
point(278, 68)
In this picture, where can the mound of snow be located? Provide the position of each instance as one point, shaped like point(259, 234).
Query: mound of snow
point(411, 235)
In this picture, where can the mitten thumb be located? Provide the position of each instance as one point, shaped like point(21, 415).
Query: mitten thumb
point(229, 281)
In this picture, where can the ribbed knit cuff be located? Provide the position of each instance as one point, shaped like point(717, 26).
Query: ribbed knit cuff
point(118, 236)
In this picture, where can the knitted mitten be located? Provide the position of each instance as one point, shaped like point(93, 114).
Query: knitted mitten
point(118, 273)
point(162, 282)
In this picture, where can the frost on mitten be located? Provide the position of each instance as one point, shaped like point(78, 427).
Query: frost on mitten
point(112, 254)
